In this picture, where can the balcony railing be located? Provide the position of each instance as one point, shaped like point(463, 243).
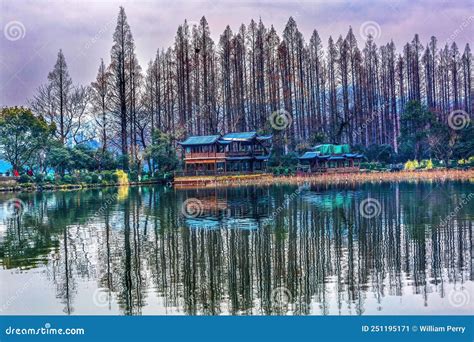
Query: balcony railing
point(220, 155)
point(203, 155)
point(215, 173)
point(238, 154)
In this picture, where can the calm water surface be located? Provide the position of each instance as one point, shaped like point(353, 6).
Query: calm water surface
point(373, 249)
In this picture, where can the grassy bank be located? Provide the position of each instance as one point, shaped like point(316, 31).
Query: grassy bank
point(437, 175)
point(32, 187)
point(343, 178)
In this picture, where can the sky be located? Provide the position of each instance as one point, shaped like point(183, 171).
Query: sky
point(34, 31)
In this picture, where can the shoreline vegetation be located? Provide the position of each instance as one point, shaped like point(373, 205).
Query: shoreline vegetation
point(436, 175)
point(338, 178)
point(30, 187)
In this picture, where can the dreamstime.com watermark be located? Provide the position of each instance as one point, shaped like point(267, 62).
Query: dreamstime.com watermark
point(102, 297)
point(359, 131)
point(103, 30)
point(14, 207)
point(281, 297)
point(280, 120)
point(14, 30)
point(464, 24)
point(192, 208)
point(370, 208)
point(458, 119)
point(285, 204)
point(46, 330)
point(18, 294)
point(459, 297)
point(455, 211)
point(106, 204)
point(370, 29)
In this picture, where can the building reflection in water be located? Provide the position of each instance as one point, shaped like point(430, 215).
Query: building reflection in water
point(242, 244)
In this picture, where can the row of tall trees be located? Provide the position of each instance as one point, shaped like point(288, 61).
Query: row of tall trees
point(345, 92)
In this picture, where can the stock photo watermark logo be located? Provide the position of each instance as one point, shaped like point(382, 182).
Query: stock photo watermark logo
point(371, 119)
point(101, 297)
point(281, 297)
point(14, 207)
point(370, 29)
point(106, 204)
point(370, 208)
point(14, 30)
point(47, 329)
point(280, 120)
point(192, 208)
point(464, 24)
point(459, 298)
point(458, 119)
point(284, 205)
point(464, 201)
point(99, 34)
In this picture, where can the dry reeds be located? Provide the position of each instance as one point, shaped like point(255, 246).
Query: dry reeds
point(342, 178)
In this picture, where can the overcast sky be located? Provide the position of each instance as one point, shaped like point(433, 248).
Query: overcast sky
point(34, 31)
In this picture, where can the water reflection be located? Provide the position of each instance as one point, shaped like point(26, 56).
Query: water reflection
point(137, 252)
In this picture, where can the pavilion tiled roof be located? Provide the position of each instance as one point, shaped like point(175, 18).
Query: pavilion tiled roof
point(240, 136)
point(200, 140)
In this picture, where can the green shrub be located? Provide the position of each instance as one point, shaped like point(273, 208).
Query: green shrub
point(373, 166)
point(25, 179)
point(280, 171)
point(94, 178)
point(133, 176)
point(39, 178)
point(107, 176)
point(68, 179)
point(380, 153)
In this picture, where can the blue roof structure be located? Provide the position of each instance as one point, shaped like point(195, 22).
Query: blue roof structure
point(224, 140)
point(309, 155)
point(200, 140)
point(313, 155)
point(330, 152)
point(354, 155)
point(240, 136)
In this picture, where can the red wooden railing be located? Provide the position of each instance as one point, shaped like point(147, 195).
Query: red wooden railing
point(196, 155)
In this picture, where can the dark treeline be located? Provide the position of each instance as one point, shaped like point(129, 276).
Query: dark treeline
point(342, 91)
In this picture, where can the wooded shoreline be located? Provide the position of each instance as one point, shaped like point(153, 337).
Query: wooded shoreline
point(269, 179)
point(31, 187)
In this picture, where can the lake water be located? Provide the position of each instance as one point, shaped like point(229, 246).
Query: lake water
point(392, 248)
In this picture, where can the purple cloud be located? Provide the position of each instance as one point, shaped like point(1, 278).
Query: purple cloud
point(83, 29)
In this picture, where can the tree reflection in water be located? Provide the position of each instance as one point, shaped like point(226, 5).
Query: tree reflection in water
point(141, 251)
